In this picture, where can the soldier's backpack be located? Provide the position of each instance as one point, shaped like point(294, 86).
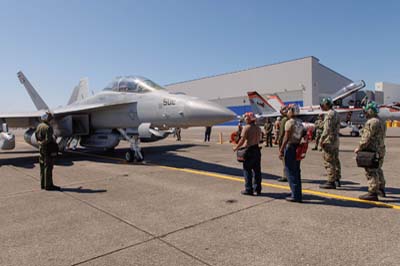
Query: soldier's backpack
point(303, 134)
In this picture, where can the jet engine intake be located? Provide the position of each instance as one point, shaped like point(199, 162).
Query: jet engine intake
point(30, 138)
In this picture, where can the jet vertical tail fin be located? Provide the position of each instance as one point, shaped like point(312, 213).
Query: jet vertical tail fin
point(259, 104)
point(37, 100)
point(275, 102)
point(80, 92)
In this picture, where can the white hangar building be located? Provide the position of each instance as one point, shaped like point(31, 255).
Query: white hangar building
point(303, 81)
point(387, 93)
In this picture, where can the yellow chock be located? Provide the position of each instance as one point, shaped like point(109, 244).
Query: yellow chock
point(389, 123)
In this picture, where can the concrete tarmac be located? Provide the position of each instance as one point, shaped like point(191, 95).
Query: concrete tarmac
point(183, 207)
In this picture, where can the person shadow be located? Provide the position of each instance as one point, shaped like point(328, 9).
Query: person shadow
point(82, 190)
point(317, 200)
point(156, 156)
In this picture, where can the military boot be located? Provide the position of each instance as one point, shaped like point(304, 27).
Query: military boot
point(53, 188)
point(382, 193)
point(247, 193)
point(328, 185)
point(369, 196)
point(337, 183)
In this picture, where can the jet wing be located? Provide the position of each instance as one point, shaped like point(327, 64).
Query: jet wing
point(29, 119)
point(21, 119)
point(61, 111)
point(32, 114)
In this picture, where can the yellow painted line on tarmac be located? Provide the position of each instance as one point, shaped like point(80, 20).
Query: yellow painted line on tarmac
point(305, 191)
point(237, 179)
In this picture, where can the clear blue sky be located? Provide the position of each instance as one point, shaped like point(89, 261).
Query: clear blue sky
point(57, 42)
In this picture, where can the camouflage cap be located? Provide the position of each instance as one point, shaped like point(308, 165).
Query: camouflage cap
point(327, 101)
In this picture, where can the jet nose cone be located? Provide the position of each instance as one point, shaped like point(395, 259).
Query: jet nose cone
point(203, 113)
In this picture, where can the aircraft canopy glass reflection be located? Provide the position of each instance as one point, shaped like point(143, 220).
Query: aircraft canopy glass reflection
point(133, 84)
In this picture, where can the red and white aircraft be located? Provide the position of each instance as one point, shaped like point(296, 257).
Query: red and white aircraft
point(270, 107)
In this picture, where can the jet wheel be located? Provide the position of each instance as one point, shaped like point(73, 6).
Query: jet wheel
point(130, 156)
point(354, 134)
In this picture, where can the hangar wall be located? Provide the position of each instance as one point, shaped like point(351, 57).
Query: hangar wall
point(280, 77)
point(325, 81)
point(390, 91)
point(303, 81)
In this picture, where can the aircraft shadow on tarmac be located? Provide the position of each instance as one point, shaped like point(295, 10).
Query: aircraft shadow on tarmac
point(68, 158)
point(30, 161)
point(24, 162)
point(153, 154)
point(158, 155)
point(20, 152)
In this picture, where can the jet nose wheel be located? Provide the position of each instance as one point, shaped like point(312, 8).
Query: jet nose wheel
point(132, 156)
point(135, 154)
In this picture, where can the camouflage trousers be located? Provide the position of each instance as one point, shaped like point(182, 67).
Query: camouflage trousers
point(46, 171)
point(317, 138)
point(332, 163)
point(375, 177)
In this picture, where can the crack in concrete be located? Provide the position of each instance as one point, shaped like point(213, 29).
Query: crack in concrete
point(160, 237)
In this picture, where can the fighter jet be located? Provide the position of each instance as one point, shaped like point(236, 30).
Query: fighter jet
point(389, 112)
point(130, 108)
point(270, 108)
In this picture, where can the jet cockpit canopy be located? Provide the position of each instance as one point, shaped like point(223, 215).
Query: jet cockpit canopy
point(133, 84)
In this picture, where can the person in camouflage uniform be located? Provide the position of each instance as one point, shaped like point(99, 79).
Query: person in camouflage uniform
point(44, 136)
point(329, 142)
point(319, 127)
point(281, 135)
point(276, 130)
point(373, 140)
point(268, 127)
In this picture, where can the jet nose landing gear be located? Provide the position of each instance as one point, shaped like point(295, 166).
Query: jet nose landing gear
point(135, 154)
